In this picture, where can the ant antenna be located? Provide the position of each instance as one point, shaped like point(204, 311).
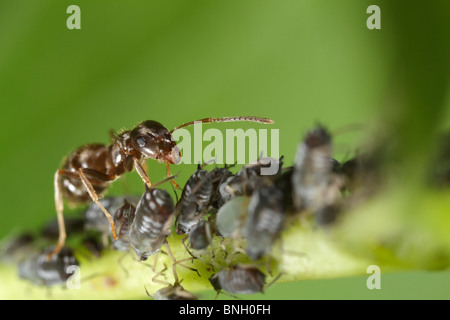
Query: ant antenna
point(226, 119)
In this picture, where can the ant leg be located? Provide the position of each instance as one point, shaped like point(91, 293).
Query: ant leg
point(94, 197)
point(170, 174)
point(94, 174)
point(59, 212)
point(142, 173)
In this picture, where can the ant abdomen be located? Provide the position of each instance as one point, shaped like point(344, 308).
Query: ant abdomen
point(86, 157)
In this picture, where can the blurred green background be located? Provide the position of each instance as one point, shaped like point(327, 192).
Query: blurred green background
point(295, 61)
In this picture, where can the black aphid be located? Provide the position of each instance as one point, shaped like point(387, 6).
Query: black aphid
point(265, 220)
point(239, 280)
point(194, 200)
point(312, 169)
point(48, 271)
point(151, 225)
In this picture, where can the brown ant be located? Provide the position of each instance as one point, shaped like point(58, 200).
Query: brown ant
point(89, 170)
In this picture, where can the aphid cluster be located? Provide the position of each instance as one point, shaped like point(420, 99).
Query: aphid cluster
point(249, 208)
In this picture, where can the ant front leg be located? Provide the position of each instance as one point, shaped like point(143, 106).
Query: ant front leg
point(169, 174)
point(142, 173)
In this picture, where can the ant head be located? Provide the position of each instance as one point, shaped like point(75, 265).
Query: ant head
point(154, 141)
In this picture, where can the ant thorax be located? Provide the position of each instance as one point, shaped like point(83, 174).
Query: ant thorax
point(122, 153)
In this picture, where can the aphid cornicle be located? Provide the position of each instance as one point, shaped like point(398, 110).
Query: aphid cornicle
point(88, 171)
point(48, 272)
point(151, 226)
point(239, 280)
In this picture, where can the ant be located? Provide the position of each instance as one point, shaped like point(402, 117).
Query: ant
point(90, 169)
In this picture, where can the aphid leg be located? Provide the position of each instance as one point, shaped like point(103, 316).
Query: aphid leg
point(193, 256)
point(179, 262)
point(94, 197)
point(185, 246)
point(59, 212)
point(237, 248)
point(168, 173)
point(227, 294)
point(146, 291)
point(169, 253)
point(142, 173)
point(121, 264)
point(273, 281)
point(222, 245)
point(155, 261)
point(154, 278)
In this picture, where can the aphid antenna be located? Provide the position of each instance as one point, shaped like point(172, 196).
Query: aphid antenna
point(176, 194)
point(227, 294)
point(161, 182)
point(225, 119)
point(119, 261)
point(284, 251)
point(146, 291)
point(348, 128)
point(93, 276)
point(206, 163)
point(228, 166)
point(267, 286)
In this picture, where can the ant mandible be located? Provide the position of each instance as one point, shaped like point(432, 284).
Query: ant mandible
point(89, 170)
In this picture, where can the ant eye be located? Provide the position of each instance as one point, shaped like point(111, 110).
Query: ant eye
point(141, 141)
